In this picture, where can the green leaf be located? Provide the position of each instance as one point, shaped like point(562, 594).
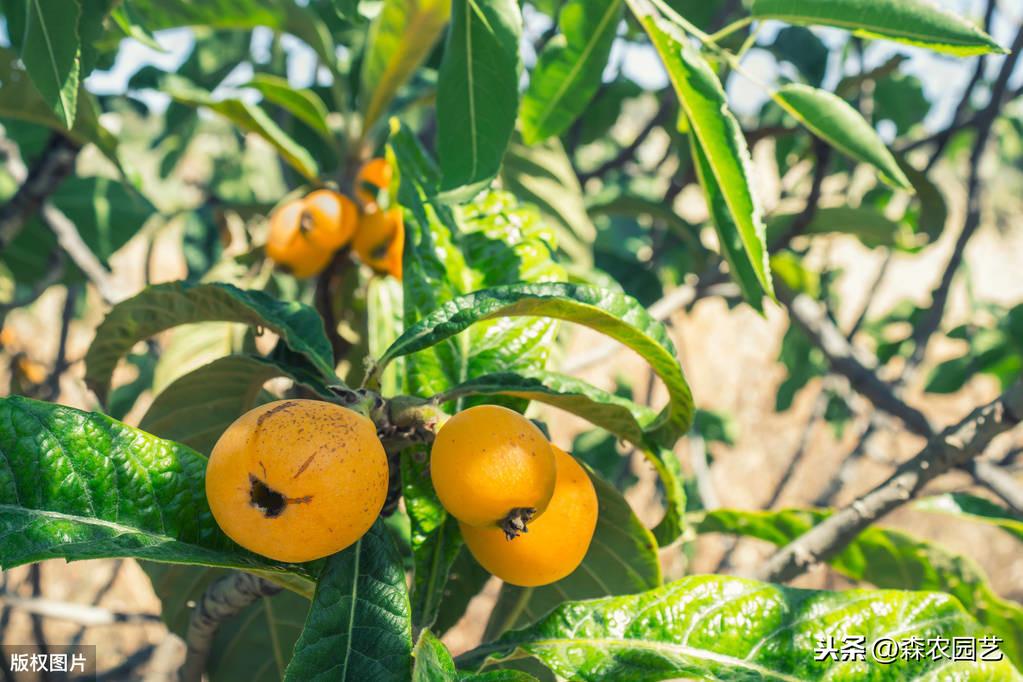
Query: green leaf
point(190, 346)
point(434, 664)
point(477, 93)
point(20, 99)
point(280, 16)
point(568, 69)
point(305, 105)
point(932, 212)
point(435, 537)
point(79, 485)
point(725, 628)
point(255, 645)
point(832, 119)
point(199, 406)
point(974, 508)
point(914, 22)
point(384, 322)
point(888, 558)
point(543, 175)
point(466, 579)
point(613, 314)
point(106, 212)
point(50, 50)
point(451, 252)
point(163, 306)
point(622, 559)
point(619, 416)
point(250, 118)
point(358, 626)
point(125, 19)
point(804, 50)
point(951, 375)
point(730, 242)
point(725, 168)
point(124, 397)
point(400, 38)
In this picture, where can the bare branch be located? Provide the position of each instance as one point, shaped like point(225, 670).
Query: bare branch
point(701, 470)
point(82, 614)
point(999, 481)
point(79, 252)
point(628, 152)
point(60, 363)
point(56, 162)
point(223, 599)
point(942, 139)
point(822, 152)
point(54, 273)
point(954, 447)
point(858, 367)
point(939, 297)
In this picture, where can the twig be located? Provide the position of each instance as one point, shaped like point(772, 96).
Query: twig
point(678, 298)
point(223, 599)
point(5, 618)
point(35, 580)
point(79, 252)
point(819, 407)
point(125, 670)
point(998, 481)
point(941, 140)
point(701, 471)
point(628, 152)
point(939, 297)
point(954, 447)
point(82, 614)
point(98, 597)
point(849, 361)
point(874, 288)
point(845, 469)
point(822, 152)
point(54, 164)
point(54, 273)
point(60, 363)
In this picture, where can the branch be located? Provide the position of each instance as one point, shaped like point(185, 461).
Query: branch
point(939, 297)
point(60, 363)
point(56, 162)
point(78, 251)
point(224, 598)
point(999, 481)
point(822, 152)
point(941, 140)
point(849, 361)
point(82, 614)
point(628, 152)
point(846, 468)
point(54, 273)
point(954, 447)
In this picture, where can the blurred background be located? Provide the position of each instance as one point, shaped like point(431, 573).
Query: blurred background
point(775, 429)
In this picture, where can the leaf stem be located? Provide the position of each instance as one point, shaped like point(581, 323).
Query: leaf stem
point(733, 61)
point(731, 28)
